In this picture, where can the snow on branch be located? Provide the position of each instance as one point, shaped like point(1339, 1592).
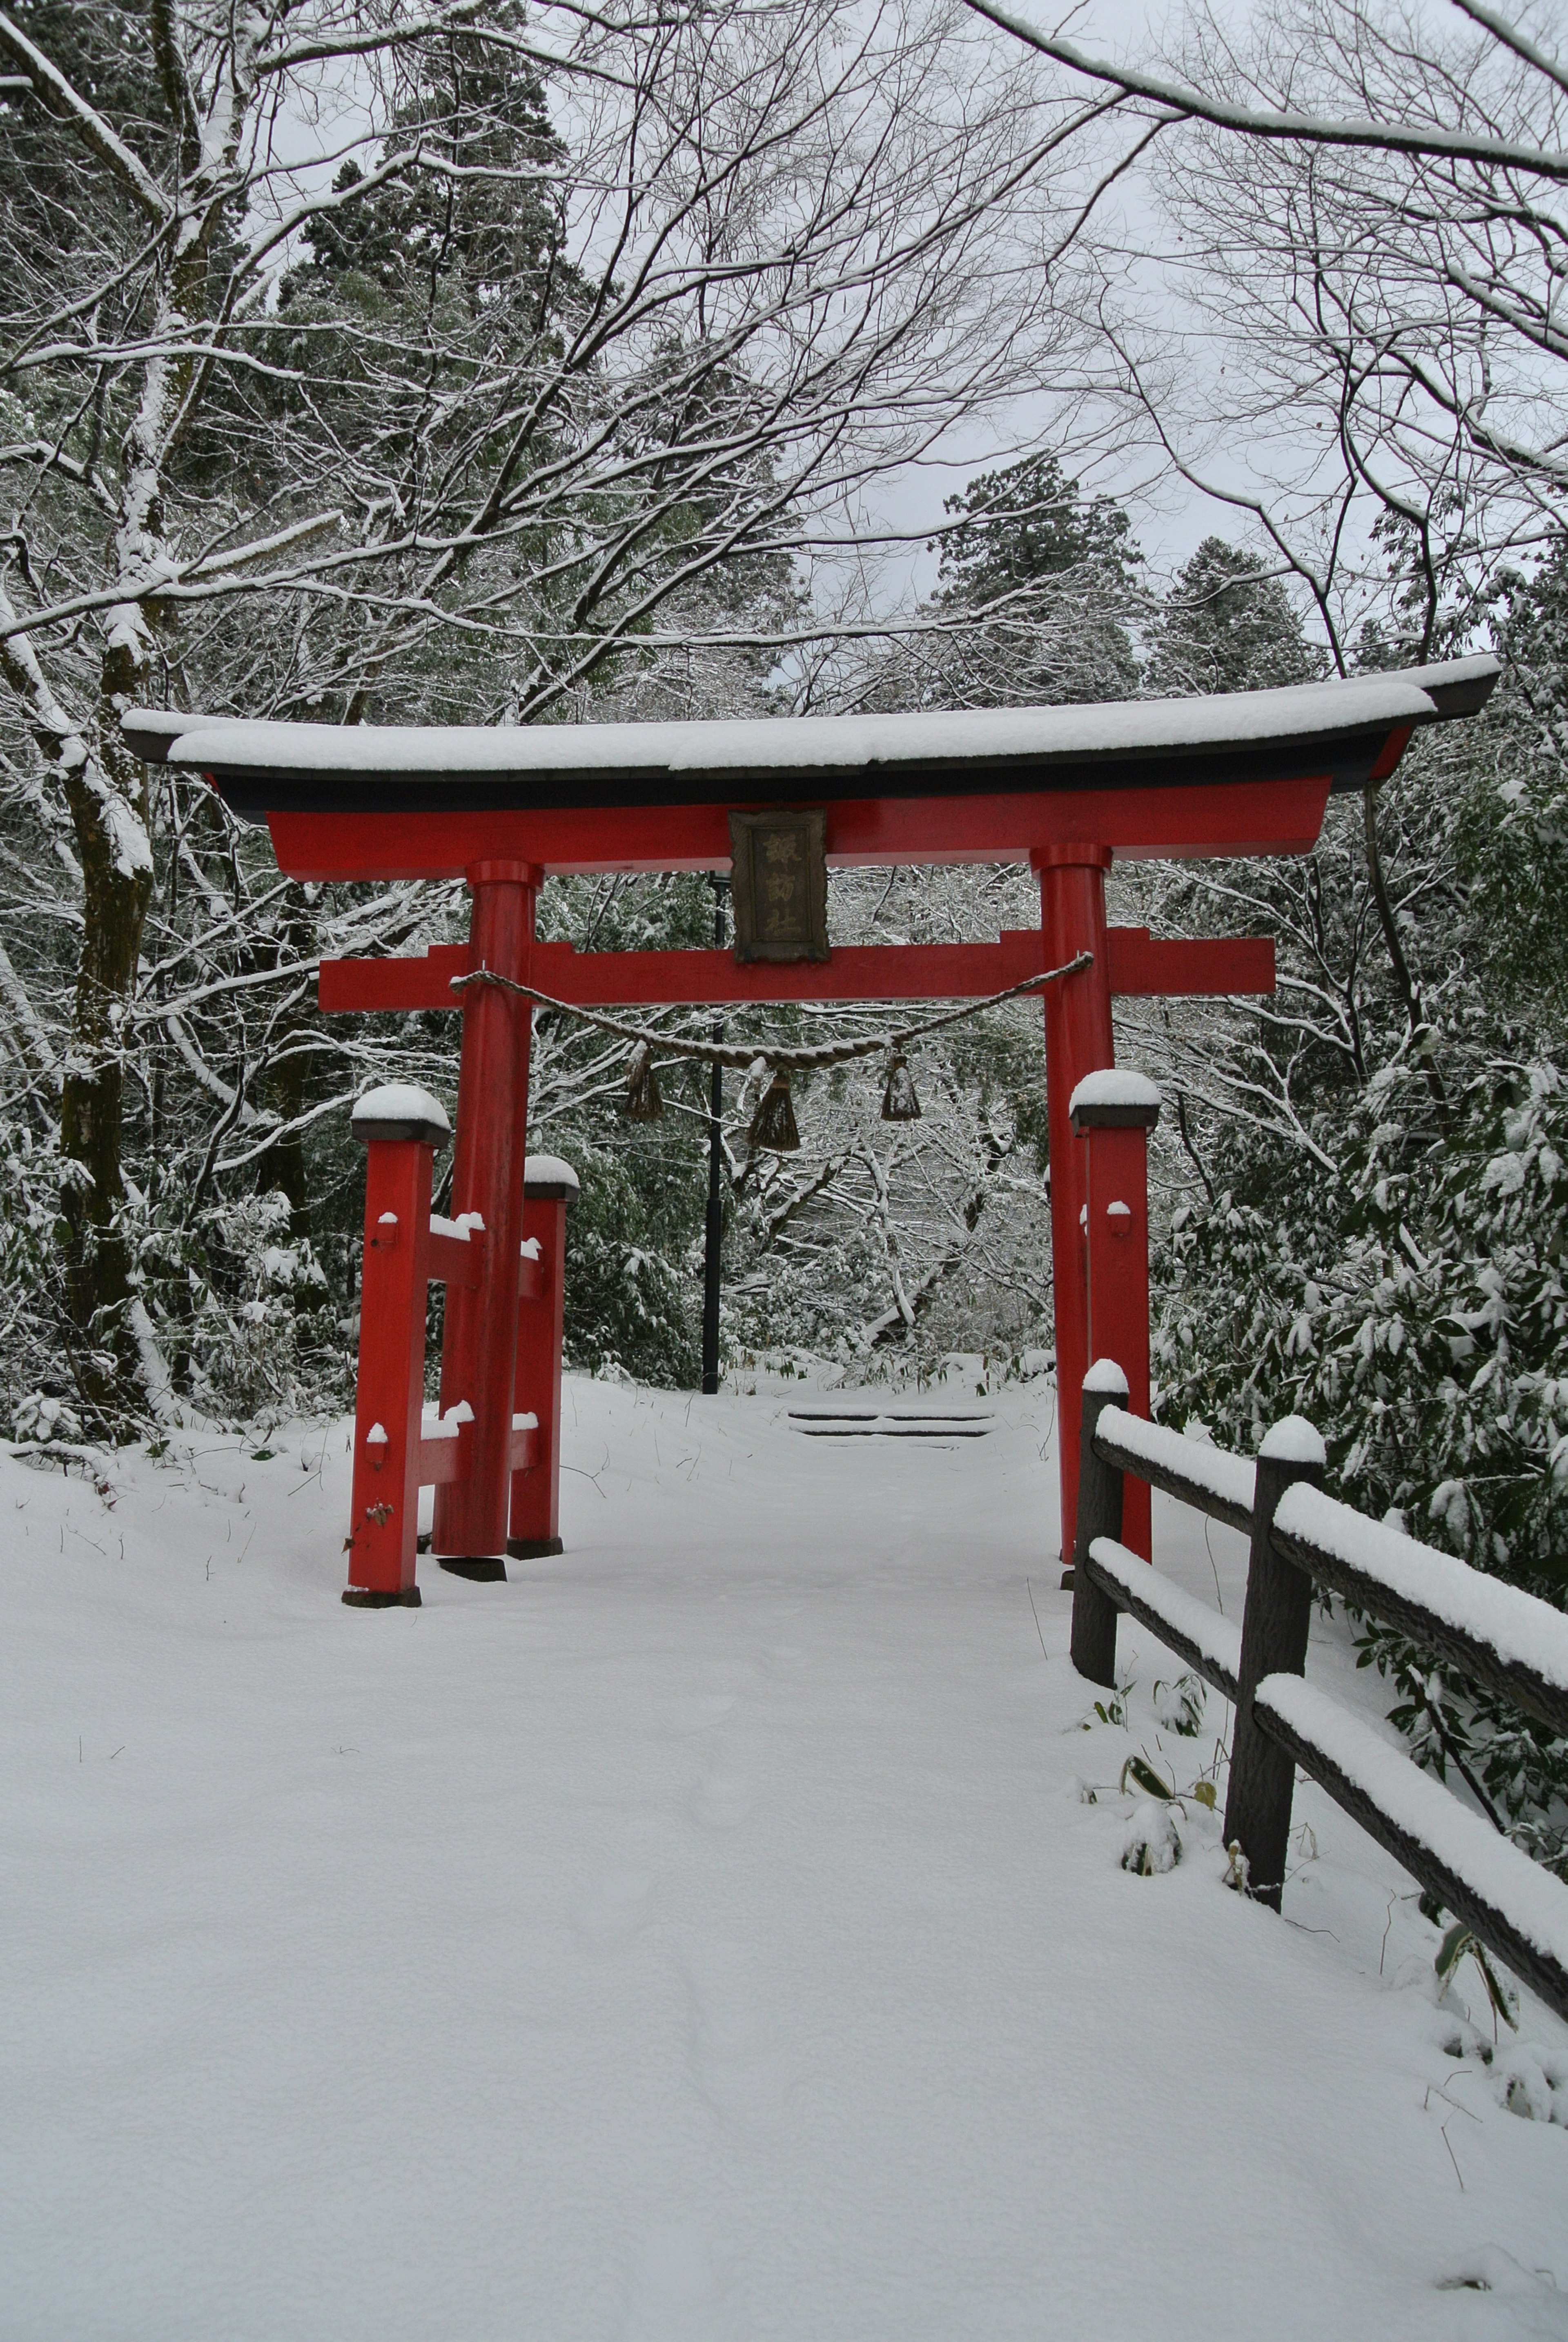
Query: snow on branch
point(62, 96)
point(1182, 103)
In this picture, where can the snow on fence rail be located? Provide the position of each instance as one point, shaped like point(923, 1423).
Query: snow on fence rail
point(1209, 1644)
point(1507, 1639)
point(1516, 1908)
point(1211, 1479)
point(1502, 1637)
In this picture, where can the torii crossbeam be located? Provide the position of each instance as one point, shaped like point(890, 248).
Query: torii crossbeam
point(1065, 789)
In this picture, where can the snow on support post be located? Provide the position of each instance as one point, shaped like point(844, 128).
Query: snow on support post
point(1100, 1502)
point(1112, 1111)
point(1274, 1627)
point(549, 1186)
point(400, 1128)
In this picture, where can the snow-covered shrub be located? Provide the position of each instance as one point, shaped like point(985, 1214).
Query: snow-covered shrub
point(1151, 1844)
point(42, 1418)
point(31, 1366)
point(1412, 1306)
point(1179, 1706)
point(237, 1306)
point(629, 1308)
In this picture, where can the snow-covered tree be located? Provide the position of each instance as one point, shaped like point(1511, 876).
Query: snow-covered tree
point(455, 361)
point(1364, 1189)
point(1340, 303)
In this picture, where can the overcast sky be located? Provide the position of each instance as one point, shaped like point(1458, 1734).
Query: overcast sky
point(1170, 525)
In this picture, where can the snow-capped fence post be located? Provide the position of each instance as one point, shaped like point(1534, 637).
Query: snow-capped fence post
point(1513, 1642)
point(1100, 1502)
point(1112, 1113)
point(400, 1129)
point(1274, 1628)
point(549, 1186)
point(479, 1346)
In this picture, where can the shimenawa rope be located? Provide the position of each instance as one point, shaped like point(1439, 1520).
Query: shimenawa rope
point(779, 1056)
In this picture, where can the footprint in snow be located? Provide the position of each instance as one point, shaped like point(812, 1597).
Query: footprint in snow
point(733, 2056)
point(722, 1799)
point(673, 2289)
point(613, 1910)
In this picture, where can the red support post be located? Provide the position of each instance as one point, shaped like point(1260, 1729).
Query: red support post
point(1077, 1042)
point(480, 1345)
point(400, 1129)
point(1111, 1115)
point(549, 1188)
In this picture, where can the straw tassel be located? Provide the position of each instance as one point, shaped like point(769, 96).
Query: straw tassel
point(899, 1102)
point(773, 1126)
point(643, 1102)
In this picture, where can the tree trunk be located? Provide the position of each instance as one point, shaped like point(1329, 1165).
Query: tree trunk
point(107, 794)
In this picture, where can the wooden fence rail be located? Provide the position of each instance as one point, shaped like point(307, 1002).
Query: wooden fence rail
point(1505, 1640)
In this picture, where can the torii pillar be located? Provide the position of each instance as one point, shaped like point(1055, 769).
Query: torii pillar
point(1077, 1042)
point(479, 1351)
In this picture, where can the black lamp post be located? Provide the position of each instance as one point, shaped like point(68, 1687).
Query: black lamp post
point(715, 1226)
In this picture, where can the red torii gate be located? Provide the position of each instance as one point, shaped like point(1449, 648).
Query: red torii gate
point(1067, 789)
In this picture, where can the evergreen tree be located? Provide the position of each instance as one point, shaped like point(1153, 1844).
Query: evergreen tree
point(1229, 625)
point(482, 219)
point(1380, 1241)
point(1038, 583)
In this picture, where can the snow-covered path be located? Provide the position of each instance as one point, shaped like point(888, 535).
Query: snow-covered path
point(704, 1936)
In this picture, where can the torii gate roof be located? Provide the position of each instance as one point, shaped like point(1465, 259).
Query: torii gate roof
point(1226, 773)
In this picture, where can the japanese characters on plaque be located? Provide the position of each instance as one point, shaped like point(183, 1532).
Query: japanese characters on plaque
point(780, 884)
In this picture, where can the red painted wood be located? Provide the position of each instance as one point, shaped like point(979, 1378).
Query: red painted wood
point(1229, 817)
point(1116, 1172)
point(442, 1461)
point(1394, 748)
point(533, 1276)
point(1145, 967)
point(1077, 1042)
point(535, 1514)
point(480, 1342)
point(524, 1449)
point(457, 1260)
point(423, 981)
point(1140, 964)
point(504, 856)
point(384, 1518)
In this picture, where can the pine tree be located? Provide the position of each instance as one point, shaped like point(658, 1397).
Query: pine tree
point(1039, 582)
point(1229, 625)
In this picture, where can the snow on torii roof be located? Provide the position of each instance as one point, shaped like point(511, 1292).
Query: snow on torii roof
point(1341, 729)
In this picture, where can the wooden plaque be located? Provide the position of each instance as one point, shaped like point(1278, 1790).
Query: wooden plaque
point(780, 888)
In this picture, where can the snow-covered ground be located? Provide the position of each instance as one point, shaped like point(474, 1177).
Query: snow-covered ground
point(706, 1934)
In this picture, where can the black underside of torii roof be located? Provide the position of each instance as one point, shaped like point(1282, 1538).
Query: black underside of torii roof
point(1348, 730)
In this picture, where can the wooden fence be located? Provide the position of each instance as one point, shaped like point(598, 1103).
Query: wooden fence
point(1300, 1539)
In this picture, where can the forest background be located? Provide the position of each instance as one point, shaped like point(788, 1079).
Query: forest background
point(476, 362)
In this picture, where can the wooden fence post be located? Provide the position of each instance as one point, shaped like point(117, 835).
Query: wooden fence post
point(1094, 1615)
point(1274, 1628)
